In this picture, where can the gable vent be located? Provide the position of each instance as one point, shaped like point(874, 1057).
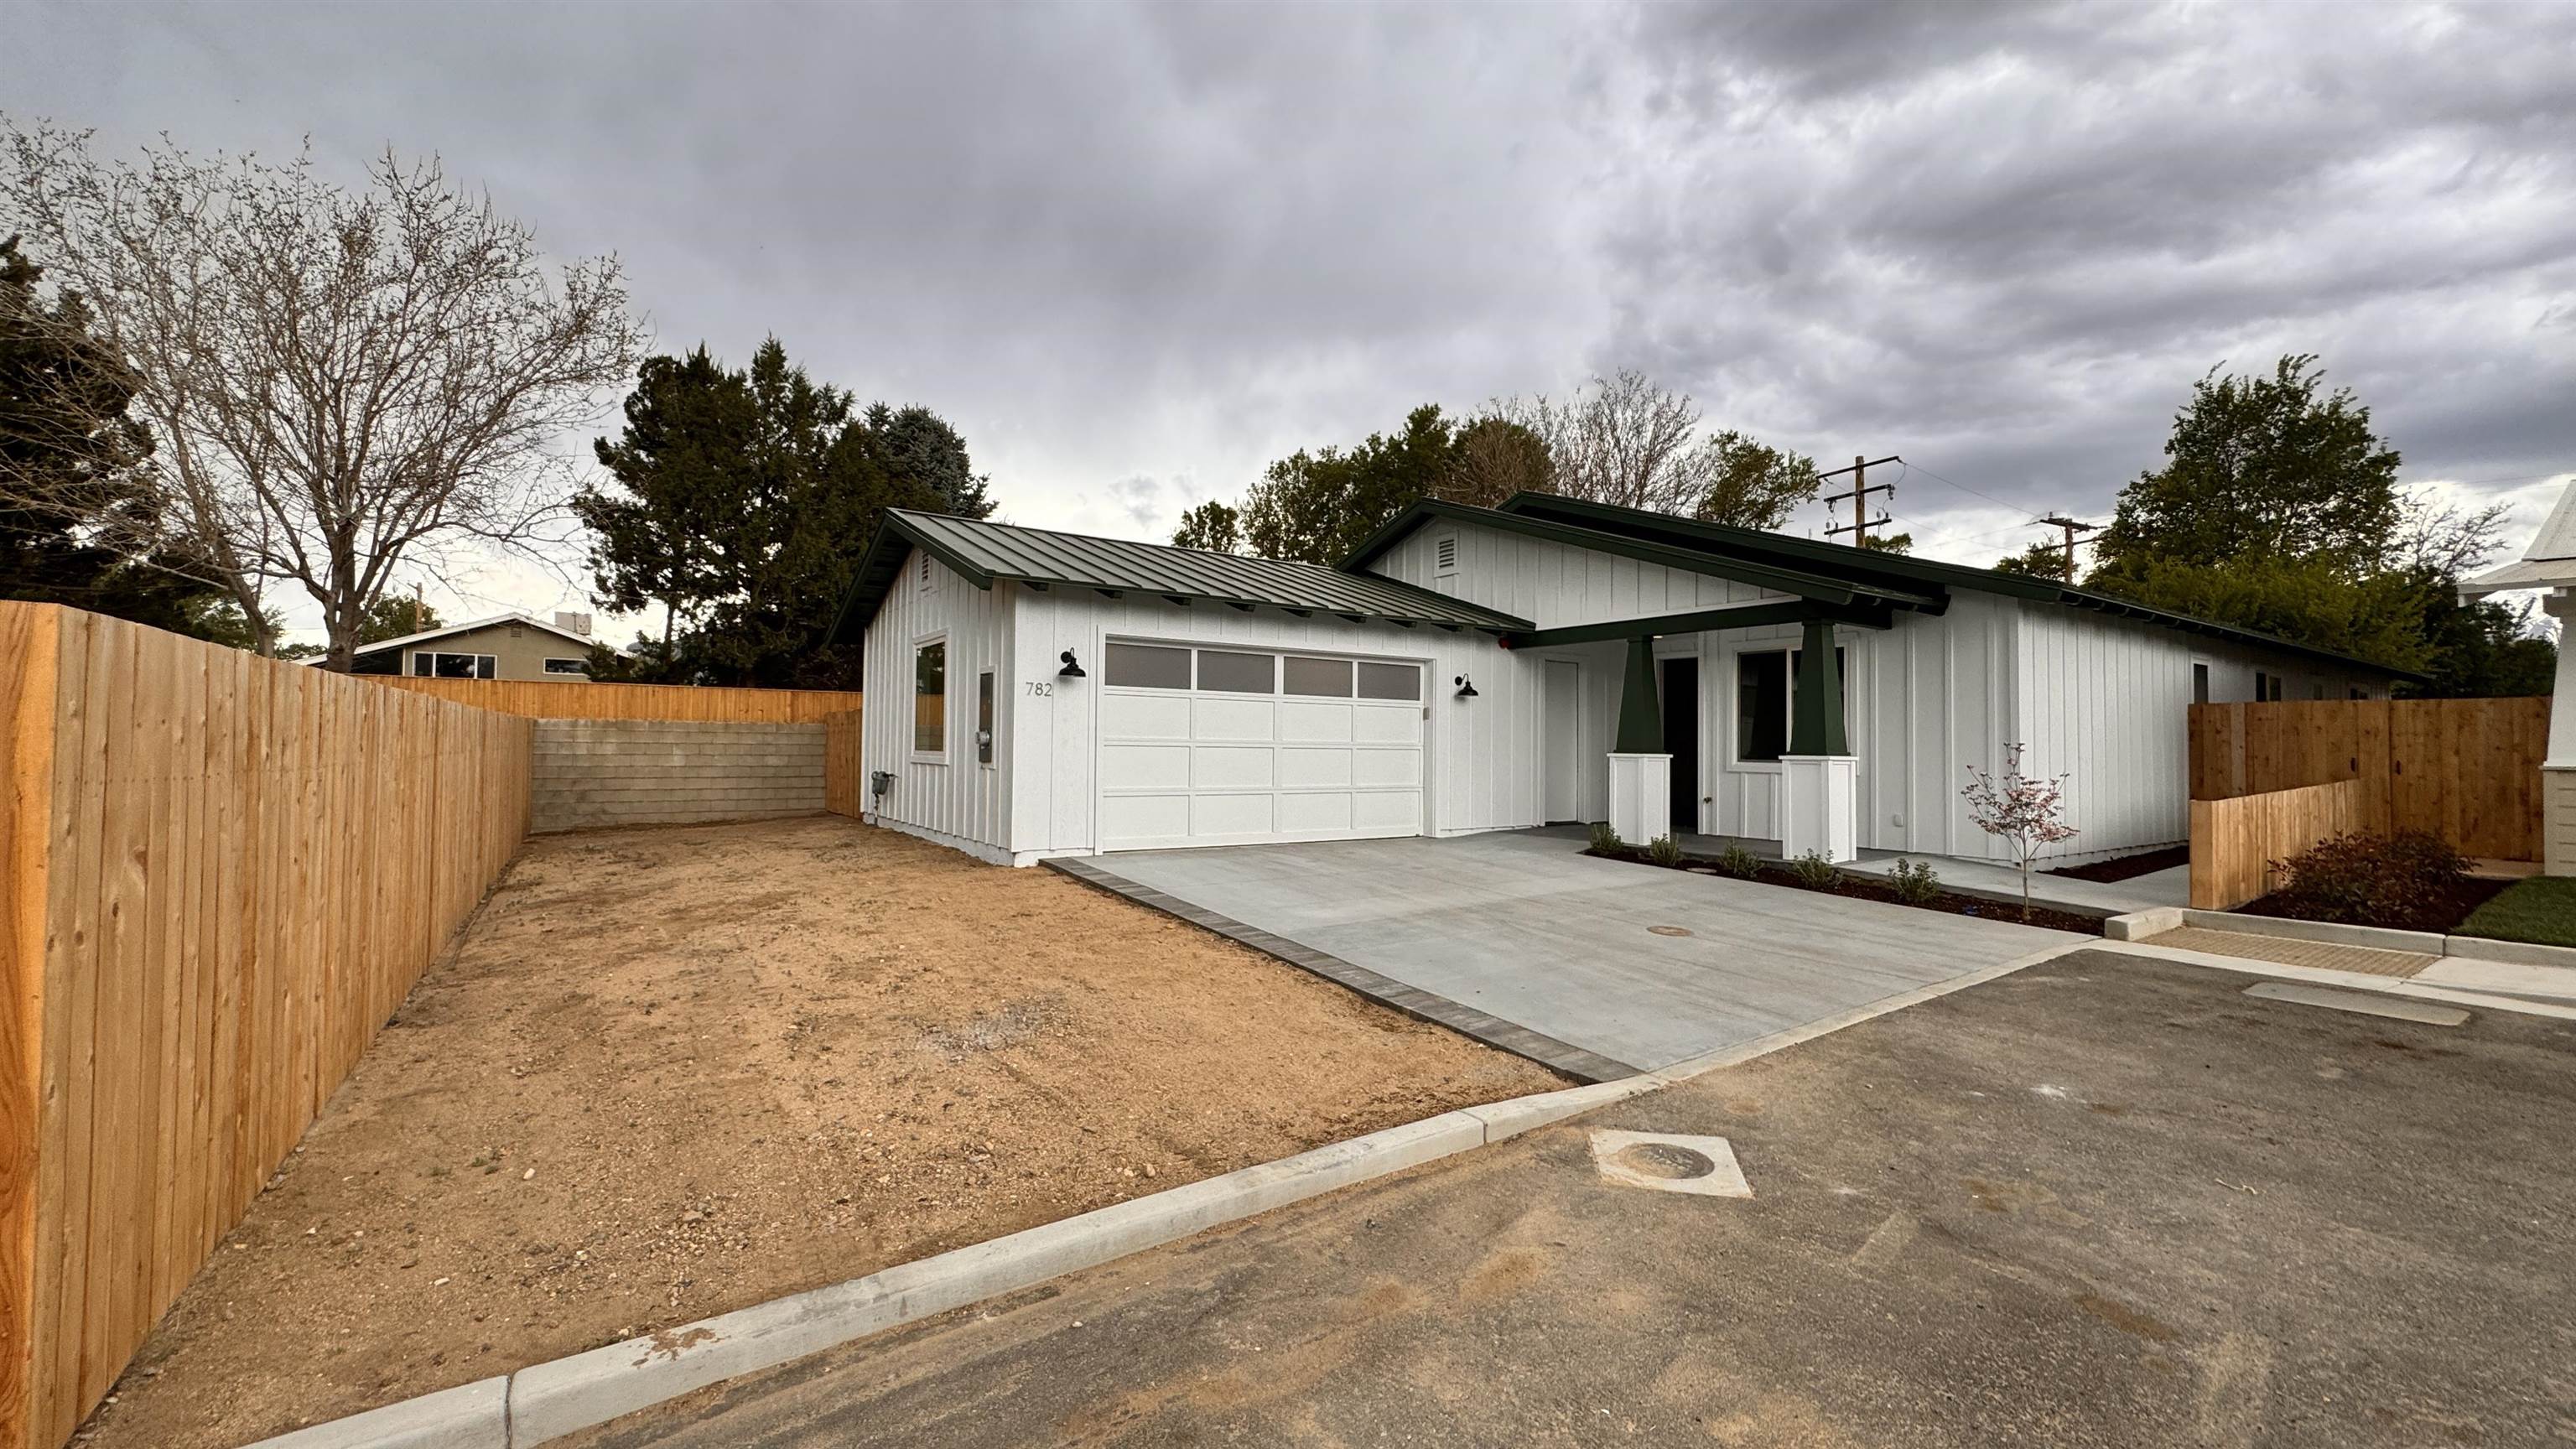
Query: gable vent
point(925, 571)
point(1446, 551)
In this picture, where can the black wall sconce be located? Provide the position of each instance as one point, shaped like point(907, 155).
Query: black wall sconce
point(1466, 687)
point(1070, 670)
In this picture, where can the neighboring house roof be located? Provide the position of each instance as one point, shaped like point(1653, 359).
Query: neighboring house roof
point(984, 551)
point(1879, 575)
point(447, 630)
point(2550, 562)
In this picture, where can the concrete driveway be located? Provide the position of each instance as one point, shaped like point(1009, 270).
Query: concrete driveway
point(1526, 927)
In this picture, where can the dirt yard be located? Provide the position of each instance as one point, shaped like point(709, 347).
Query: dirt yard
point(668, 1073)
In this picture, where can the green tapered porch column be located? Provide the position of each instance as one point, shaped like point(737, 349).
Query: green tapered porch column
point(1816, 714)
point(1641, 709)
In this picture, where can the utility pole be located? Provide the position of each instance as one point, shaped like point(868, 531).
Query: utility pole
point(1861, 488)
point(2072, 527)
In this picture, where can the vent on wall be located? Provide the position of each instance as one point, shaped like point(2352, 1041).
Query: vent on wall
point(925, 571)
point(1445, 552)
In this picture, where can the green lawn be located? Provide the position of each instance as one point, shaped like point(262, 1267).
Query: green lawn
point(2541, 910)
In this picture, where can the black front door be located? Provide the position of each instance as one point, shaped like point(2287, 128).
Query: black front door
point(1681, 738)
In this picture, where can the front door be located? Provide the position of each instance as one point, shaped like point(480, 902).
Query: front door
point(1563, 742)
point(1681, 740)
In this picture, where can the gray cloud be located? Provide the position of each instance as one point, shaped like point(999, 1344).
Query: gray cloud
point(1134, 253)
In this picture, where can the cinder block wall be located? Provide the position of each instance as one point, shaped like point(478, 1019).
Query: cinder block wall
point(670, 772)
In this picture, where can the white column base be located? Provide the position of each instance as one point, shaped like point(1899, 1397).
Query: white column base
point(1641, 797)
point(1820, 806)
point(2558, 819)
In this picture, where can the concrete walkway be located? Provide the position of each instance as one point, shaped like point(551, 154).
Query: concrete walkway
point(1525, 927)
point(2168, 887)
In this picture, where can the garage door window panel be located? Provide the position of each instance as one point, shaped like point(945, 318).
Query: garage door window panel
point(1390, 681)
point(1143, 666)
point(1227, 673)
point(1318, 678)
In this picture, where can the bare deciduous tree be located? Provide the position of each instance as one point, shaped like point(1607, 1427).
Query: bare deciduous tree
point(1622, 440)
point(333, 379)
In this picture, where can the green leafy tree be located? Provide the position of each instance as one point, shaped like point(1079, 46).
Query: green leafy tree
point(1494, 458)
point(2042, 560)
point(745, 501)
point(2264, 467)
point(1213, 525)
point(1751, 484)
point(1896, 543)
point(1319, 506)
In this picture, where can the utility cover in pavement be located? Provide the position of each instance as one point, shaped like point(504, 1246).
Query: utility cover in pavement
point(1667, 1162)
point(2396, 1008)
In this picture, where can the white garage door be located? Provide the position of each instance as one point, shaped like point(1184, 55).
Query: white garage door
point(1233, 746)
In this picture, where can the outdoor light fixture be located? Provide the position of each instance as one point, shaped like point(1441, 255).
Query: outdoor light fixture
point(1070, 670)
point(1466, 687)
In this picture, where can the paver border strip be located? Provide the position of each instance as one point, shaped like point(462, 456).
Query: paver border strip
point(548, 1400)
point(1413, 1001)
point(2138, 925)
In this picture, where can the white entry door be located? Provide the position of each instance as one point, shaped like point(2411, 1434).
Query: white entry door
point(1212, 746)
point(1563, 740)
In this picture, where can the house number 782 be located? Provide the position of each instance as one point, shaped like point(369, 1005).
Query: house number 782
point(1041, 686)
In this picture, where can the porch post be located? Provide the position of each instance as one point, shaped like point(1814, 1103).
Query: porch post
point(1819, 776)
point(1641, 799)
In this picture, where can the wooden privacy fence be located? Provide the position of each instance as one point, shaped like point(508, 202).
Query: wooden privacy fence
point(2234, 843)
point(2467, 770)
point(551, 699)
point(222, 874)
point(844, 785)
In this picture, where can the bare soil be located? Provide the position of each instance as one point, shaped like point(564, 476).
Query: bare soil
point(667, 1073)
point(2127, 867)
point(1871, 888)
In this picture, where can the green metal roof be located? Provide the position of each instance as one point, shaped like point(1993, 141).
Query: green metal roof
point(983, 552)
point(1844, 561)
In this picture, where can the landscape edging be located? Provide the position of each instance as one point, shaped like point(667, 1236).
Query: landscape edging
point(2138, 925)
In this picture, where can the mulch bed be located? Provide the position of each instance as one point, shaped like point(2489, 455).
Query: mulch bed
point(2442, 916)
point(2127, 867)
point(1870, 888)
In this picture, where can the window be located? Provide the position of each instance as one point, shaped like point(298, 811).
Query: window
point(1390, 681)
point(2359, 693)
point(1766, 698)
point(568, 666)
point(1445, 555)
point(2199, 682)
point(2317, 690)
point(1762, 705)
point(1322, 678)
point(930, 698)
point(984, 718)
point(431, 664)
point(2267, 686)
point(1237, 673)
point(1142, 666)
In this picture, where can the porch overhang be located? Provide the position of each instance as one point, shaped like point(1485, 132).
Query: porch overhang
point(1865, 614)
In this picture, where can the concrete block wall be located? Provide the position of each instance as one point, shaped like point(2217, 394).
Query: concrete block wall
point(669, 772)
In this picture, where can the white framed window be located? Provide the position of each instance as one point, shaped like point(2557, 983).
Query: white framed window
point(452, 664)
point(930, 699)
point(568, 666)
point(2200, 681)
point(1766, 699)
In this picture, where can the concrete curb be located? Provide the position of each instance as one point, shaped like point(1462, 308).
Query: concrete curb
point(2139, 925)
point(549, 1400)
point(2512, 953)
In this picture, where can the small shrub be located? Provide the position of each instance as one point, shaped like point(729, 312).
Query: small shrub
point(1606, 841)
point(1664, 850)
point(1914, 882)
point(2371, 879)
point(1739, 862)
point(1814, 871)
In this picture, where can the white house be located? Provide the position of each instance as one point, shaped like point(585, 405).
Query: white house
point(1034, 693)
point(2550, 564)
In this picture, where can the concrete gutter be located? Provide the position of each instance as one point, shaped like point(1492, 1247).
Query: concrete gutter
point(549, 1400)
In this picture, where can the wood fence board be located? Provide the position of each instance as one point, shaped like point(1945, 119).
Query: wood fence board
point(2235, 843)
point(2467, 770)
point(240, 867)
point(844, 783)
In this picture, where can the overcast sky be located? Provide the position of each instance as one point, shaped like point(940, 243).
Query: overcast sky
point(1135, 253)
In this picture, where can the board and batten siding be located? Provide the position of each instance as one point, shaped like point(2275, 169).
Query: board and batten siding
point(1555, 585)
point(1479, 754)
point(956, 800)
point(2106, 702)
